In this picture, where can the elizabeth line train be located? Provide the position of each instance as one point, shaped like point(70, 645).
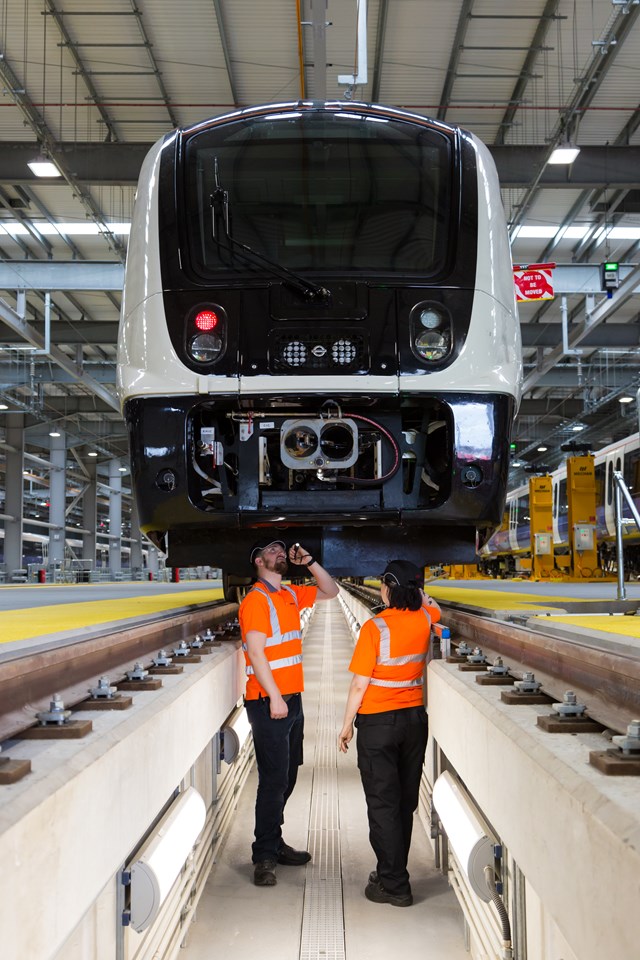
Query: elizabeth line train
point(513, 539)
point(319, 337)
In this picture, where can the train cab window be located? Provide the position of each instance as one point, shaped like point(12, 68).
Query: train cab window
point(317, 191)
point(555, 501)
point(563, 506)
point(600, 481)
point(631, 472)
point(609, 483)
point(523, 517)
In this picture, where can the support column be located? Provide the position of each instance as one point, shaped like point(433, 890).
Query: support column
point(153, 561)
point(115, 517)
point(13, 504)
point(136, 538)
point(90, 510)
point(57, 498)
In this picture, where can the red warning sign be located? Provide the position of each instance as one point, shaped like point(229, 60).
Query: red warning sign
point(534, 282)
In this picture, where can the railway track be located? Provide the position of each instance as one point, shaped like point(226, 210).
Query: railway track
point(29, 678)
point(603, 673)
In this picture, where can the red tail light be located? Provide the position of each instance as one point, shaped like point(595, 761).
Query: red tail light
point(206, 320)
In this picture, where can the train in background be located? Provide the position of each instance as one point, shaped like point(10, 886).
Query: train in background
point(319, 338)
point(513, 539)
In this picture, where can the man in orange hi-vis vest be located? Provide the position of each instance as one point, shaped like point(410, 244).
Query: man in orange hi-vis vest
point(386, 702)
point(272, 642)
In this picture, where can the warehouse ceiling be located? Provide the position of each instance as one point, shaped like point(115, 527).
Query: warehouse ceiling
point(91, 85)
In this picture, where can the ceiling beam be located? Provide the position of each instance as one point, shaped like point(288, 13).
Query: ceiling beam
point(119, 164)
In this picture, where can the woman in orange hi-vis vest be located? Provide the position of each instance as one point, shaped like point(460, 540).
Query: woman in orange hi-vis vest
point(272, 642)
point(386, 702)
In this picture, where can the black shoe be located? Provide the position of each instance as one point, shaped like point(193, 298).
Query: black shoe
point(373, 876)
point(289, 857)
point(264, 873)
point(377, 894)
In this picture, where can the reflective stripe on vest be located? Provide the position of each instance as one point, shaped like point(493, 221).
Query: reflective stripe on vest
point(386, 660)
point(276, 635)
point(276, 664)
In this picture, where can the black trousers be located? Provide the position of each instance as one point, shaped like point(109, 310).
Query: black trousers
point(278, 747)
point(391, 748)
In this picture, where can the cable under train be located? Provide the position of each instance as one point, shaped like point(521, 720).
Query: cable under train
point(319, 337)
point(513, 539)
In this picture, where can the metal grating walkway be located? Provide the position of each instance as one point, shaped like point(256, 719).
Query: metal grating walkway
point(322, 936)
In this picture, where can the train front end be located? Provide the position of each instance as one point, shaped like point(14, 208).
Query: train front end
point(319, 337)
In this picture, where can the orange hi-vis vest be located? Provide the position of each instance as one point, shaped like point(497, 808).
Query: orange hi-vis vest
point(392, 651)
point(282, 649)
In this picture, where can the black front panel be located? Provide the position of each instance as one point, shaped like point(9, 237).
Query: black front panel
point(201, 467)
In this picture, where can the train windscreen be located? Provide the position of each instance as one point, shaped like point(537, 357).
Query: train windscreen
point(318, 192)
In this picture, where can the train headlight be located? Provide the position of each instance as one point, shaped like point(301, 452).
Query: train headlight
point(205, 333)
point(205, 347)
point(295, 354)
point(343, 352)
point(431, 333)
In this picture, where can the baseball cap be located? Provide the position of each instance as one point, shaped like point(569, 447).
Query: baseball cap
point(404, 573)
point(261, 545)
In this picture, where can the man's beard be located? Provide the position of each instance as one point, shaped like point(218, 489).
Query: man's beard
point(277, 566)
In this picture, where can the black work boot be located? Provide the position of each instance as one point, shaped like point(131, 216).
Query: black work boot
point(264, 873)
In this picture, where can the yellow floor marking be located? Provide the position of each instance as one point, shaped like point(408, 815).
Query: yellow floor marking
point(37, 622)
point(620, 625)
point(495, 599)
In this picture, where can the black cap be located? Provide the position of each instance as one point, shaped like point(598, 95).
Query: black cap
point(261, 545)
point(404, 573)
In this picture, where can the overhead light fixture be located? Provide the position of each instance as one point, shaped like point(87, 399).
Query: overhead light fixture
point(626, 399)
point(542, 449)
point(467, 836)
point(43, 167)
point(92, 453)
point(565, 154)
point(158, 865)
point(122, 469)
point(4, 406)
point(53, 433)
point(577, 427)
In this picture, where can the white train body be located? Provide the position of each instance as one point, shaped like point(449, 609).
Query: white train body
point(342, 270)
point(514, 537)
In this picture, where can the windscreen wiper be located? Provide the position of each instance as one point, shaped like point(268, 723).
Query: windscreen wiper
point(219, 201)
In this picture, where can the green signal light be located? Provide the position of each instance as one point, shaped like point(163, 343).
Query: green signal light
point(611, 266)
point(512, 446)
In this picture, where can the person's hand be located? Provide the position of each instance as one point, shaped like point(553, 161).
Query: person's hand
point(278, 708)
point(300, 555)
point(345, 737)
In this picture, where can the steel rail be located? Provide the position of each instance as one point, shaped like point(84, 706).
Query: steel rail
point(28, 682)
point(606, 679)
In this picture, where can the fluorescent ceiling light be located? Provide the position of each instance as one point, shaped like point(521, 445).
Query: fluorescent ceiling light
point(53, 433)
point(92, 453)
point(41, 167)
point(542, 449)
point(15, 229)
point(564, 154)
point(626, 399)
